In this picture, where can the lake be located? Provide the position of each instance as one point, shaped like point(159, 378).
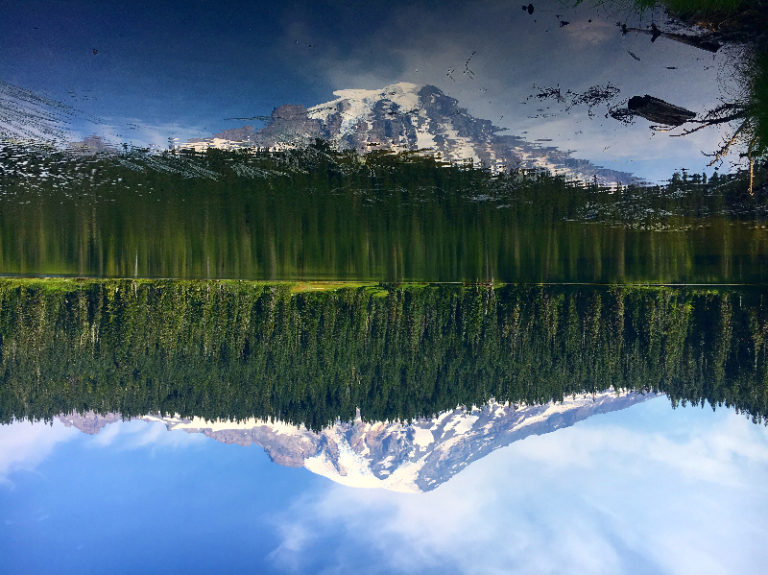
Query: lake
point(417, 287)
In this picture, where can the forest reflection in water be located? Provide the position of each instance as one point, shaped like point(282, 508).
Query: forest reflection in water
point(320, 214)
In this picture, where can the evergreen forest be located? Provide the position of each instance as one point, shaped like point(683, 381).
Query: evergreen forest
point(235, 349)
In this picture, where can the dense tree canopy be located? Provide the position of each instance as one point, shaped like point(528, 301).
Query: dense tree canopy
point(239, 349)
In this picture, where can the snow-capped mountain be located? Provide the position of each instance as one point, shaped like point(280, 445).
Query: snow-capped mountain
point(397, 456)
point(406, 117)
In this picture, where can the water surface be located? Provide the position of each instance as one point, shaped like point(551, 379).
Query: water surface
point(415, 287)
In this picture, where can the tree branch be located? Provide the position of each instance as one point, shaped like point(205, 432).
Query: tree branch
point(725, 148)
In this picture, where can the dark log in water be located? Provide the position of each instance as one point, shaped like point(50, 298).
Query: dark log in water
point(659, 111)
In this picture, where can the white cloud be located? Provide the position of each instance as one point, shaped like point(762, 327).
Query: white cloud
point(135, 132)
point(597, 498)
point(137, 434)
point(588, 34)
point(23, 445)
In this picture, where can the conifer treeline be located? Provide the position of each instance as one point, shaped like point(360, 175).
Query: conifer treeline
point(239, 349)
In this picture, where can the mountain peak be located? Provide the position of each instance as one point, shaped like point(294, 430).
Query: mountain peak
point(392, 90)
point(397, 456)
point(354, 105)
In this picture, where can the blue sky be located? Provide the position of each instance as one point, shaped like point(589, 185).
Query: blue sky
point(180, 69)
point(645, 490)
